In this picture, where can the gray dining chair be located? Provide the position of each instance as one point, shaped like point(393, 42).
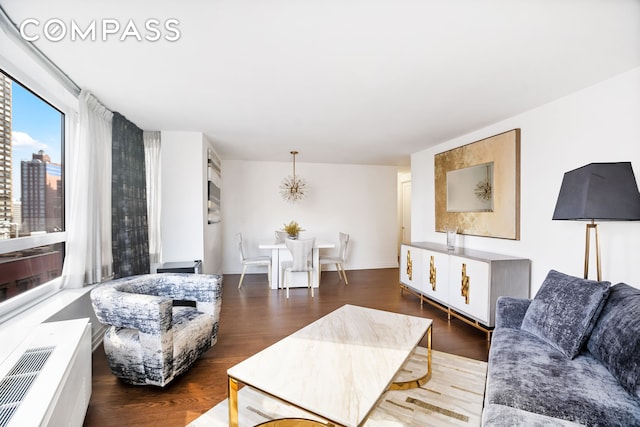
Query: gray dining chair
point(247, 261)
point(301, 252)
point(340, 259)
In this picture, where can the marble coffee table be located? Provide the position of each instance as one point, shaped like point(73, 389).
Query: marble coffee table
point(337, 367)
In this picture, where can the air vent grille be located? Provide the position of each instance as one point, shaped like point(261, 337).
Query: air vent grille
point(16, 384)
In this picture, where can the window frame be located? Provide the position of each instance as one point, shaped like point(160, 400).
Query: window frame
point(42, 84)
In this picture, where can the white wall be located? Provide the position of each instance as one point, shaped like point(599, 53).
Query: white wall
point(355, 199)
point(598, 124)
point(186, 236)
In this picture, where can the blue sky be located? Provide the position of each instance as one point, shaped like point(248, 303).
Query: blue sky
point(35, 126)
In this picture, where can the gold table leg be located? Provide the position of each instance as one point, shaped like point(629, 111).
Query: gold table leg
point(406, 385)
point(294, 422)
point(233, 402)
point(285, 422)
point(429, 352)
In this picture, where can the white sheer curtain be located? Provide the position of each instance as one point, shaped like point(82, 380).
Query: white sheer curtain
point(152, 170)
point(88, 256)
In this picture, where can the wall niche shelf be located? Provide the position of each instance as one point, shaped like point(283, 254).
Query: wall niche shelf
point(213, 187)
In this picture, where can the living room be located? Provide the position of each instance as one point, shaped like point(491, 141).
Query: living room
point(585, 110)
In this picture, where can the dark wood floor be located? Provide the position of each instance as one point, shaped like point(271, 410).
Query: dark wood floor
point(253, 318)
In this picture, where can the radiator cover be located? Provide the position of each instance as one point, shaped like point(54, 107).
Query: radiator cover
point(46, 381)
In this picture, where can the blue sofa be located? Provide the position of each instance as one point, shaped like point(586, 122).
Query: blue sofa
point(570, 356)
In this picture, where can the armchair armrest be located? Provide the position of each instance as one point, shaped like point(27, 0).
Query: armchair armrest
point(145, 302)
point(204, 289)
point(147, 313)
point(188, 286)
point(510, 311)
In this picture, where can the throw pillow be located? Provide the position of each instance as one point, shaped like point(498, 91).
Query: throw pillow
point(615, 339)
point(564, 311)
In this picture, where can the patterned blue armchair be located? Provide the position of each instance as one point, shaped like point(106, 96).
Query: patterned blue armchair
point(152, 338)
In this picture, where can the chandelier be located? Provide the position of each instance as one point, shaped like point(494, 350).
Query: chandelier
point(293, 188)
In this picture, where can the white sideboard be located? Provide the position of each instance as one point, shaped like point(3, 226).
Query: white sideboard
point(465, 283)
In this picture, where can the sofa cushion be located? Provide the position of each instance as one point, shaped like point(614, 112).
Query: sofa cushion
point(564, 311)
point(527, 374)
point(510, 311)
point(505, 416)
point(615, 339)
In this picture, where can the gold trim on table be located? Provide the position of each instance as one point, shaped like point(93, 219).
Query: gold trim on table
point(418, 382)
point(294, 422)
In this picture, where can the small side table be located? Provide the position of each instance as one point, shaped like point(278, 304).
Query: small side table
point(181, 267)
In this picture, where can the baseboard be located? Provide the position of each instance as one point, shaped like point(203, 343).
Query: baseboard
point(97, 336)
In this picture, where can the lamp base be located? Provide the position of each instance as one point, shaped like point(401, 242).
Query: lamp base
point(591, 226)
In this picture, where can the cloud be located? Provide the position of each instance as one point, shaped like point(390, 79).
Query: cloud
point(24, 140)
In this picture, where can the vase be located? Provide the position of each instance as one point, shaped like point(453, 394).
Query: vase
point(451, 237)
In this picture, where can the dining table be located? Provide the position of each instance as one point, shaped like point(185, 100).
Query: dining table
point(280, 253)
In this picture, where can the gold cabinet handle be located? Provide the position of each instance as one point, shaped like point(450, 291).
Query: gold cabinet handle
point(432, 273)
point(464, 290)
point(409, 266)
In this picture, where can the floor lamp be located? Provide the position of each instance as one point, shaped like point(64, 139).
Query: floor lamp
point(598, 191)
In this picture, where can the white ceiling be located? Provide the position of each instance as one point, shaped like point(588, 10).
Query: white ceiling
point(341, 81)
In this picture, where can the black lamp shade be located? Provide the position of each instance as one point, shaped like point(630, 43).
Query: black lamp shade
point(603, 191)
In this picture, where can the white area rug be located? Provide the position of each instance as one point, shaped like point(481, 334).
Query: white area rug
point(452, 397)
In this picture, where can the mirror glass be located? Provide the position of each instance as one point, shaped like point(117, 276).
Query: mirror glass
point(470, 189)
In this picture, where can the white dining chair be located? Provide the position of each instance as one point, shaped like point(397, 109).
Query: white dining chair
point(340, 259)
point(281, 236)
point(247, 261)
point(301, 252)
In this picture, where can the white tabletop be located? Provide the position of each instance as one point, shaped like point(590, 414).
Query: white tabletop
point(338, 366)
point(320, 244)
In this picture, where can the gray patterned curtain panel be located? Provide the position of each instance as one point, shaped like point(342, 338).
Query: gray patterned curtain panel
point(129, 230)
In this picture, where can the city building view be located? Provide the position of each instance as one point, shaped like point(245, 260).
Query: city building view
point(41, 194)
point(31, 188)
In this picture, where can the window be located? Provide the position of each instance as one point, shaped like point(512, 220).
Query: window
point(31, 189)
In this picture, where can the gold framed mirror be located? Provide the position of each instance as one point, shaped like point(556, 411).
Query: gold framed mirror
point(477, 187)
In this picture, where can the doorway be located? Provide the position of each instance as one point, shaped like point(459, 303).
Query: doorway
point(405, 235)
